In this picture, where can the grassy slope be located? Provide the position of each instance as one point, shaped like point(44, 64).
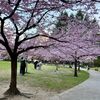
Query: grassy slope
point(46, 78)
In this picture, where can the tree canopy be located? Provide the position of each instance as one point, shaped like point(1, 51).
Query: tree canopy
point(23, 26)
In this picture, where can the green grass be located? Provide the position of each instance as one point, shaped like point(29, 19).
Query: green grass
point(4, 65)
point(96, 68)
point(47, 78)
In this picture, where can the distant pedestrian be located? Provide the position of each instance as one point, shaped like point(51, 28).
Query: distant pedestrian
point(35, 64)
point(88, 68)
point(22, 66)
point(39, 64)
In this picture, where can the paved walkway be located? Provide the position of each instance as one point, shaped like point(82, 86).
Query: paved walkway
point(88, 90)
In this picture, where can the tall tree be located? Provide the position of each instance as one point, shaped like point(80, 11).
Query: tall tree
point(78, 42)
point(18, 18)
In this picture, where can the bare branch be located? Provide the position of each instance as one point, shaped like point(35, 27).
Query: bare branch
point(25, 39)
point(89, 55)
point(33, 47)
point(15, 8)
point(71, 1)
point(9, 1)
point(0, 18)
point(2, 42)
point(96, 1)
point(34, 24)
point(26, 27)
point(6, 44)
point(16, 28)
point(53, 38)
point(78, 1)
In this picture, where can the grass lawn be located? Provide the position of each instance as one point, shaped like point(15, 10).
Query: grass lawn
point(96, 69)
point(47, 78)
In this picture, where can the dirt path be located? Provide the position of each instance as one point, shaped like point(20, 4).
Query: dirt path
point(30, 93)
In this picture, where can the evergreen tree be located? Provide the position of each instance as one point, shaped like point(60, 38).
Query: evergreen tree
point(79, 15)
point(62, 20)
point(97, 62)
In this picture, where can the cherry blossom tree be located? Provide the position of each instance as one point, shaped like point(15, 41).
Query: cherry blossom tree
point(19, 18)
point(85, 38)
point(77, 41)
point(19, 22)
point(81, 39)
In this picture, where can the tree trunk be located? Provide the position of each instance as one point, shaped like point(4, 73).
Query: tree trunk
point(56, 68)
point(13, 84)
point(78, 66)
point(75, 71)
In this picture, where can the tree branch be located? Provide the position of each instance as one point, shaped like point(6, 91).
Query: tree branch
point(28, 22)
point(6, 44)
point(9, 1)
point(96, 1)
point(2, 42)
point(70, 2)
point(77, 1)
point(15, 8)
point(33, 47)
point(89, 55)
point(25, 39)
point(56, 39)
point(16, 28)
point(34, 24)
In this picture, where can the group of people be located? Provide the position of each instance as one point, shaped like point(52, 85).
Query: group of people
point(23, 66)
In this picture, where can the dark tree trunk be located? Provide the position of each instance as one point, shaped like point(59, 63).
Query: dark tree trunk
point(75, 71)
point(79, 68)
point(26, 68)
point(13, 84)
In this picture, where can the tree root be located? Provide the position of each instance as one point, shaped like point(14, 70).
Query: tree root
point(15, 92)
point(12, 92)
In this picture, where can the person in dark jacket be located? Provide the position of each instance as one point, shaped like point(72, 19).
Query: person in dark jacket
point(35, 64)
point(22, 66)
